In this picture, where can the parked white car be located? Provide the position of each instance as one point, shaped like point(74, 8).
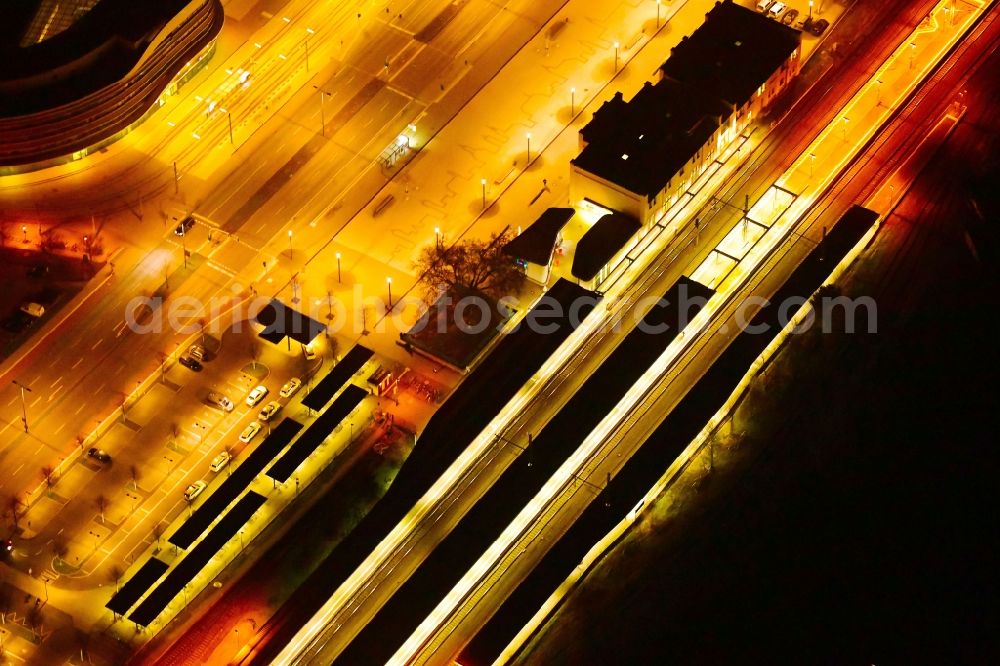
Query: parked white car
point(290, 387)
point(249, 432)
point(269, 411)
point(256, 395)
point(220, 461)
point(194, 490)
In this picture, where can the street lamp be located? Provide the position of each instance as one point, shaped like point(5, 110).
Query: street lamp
point(309, 31)
point(229, 117)
point(616, 55)
point(388, 282)
point(289, 243)
point(24, 407)
point(658, 14)
point(338, 267)
point(913, 48)
point(572, 101)
point(810, 9)
point(24, 230)
point(846, 120)
point(527, 136)
point(812, 164)
point(322, 109)
point(437, 236)
point(878, 92)
point(482, 181)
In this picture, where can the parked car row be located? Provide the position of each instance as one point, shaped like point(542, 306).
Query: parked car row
point(780, 11)
point(24, 317)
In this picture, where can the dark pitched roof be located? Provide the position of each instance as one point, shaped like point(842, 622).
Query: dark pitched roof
point(280, 321)
point(602, 242)
point(642, 143)
point(732, 53)
point(535, 244)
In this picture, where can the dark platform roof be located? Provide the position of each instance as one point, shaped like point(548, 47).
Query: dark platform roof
point(196, 560)
point(732, 53)
point(280, 321)
point(524, 477)
point(137, 585)
point(602, 242)
point(639, 145)
point(337, 377)
point(535, 244)
point(321, 428)
point(461, 418)
point(233, 485)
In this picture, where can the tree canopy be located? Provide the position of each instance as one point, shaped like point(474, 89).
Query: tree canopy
point(476, 265)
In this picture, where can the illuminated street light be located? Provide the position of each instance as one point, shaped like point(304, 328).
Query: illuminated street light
point(846, 121)
point(388, 282)
point(616, 55)
point(322, 109)
point(810, 9)
point(289, 243)
point(338, 267)
point(913, 48)
point(24, 407)
point(229, 117)
point(24, 230)
point(482, 181)
point(437, 236)
point(527, 136)
point(878, 92)
point(572, 101)
point(658, 3)
point(812, 164)
point(305, 41)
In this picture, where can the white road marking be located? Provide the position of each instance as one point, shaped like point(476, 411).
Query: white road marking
point(97, 344)
point(78, 362)
point(53, 384)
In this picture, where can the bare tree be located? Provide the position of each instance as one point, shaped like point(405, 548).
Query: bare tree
point(101, 502)
point(115, 574)
point(254, 352)
point(15, 508)
point(470, 265)
point(157, 533)
point(48, 475)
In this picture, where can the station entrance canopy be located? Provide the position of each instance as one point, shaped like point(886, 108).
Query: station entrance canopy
point(280, 321)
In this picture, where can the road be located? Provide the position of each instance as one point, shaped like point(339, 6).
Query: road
point(81, 373)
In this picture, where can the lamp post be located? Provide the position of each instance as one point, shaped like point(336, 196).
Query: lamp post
point(388, 282)
point(322, 109)
point(812, 164)
point(878, 92)
point(572, 101)
point(527, 136)
point(24, 407)
point(289, 243)
point(24, 230)
point(482, 181)
point(658, 14)
point(616, 55)
point(309, 32)
point(810, 9)
point(437, 236)
point(913, 48)
point(846, 120)
point(229, 117)
point(338, 267)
